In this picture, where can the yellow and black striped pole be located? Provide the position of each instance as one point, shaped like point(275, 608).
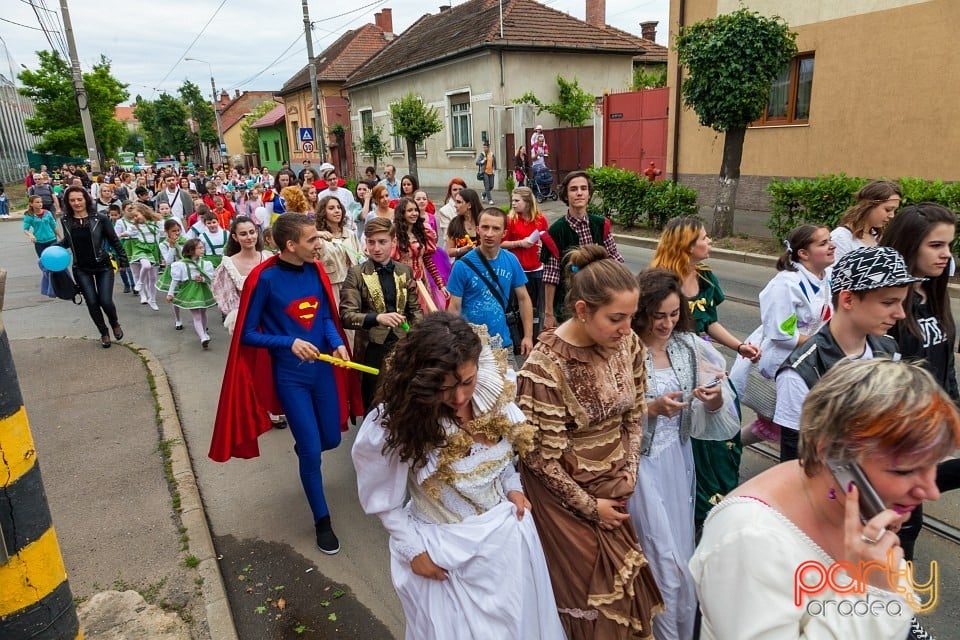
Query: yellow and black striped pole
point(35, 598)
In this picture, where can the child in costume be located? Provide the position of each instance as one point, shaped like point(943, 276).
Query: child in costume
point(146, 251)
point(190, 281)
point(125, 231)
point(376, 299)
point(171, 250)
point(286, 320)
point(214, 239)
point(116, 215)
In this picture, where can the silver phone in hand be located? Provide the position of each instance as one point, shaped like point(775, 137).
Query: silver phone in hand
point(845, 472)
point(710, 384)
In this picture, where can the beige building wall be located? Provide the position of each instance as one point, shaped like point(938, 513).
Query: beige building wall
point(491, 99)
point(232, 137)
point(300, 114)
point(883, 99)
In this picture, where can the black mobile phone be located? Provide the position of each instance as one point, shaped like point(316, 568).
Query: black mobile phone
point(845, 472)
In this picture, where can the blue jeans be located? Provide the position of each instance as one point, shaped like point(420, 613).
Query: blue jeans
point(487, 187)
point(45, 288)
point(308, 394)
point(97, 289)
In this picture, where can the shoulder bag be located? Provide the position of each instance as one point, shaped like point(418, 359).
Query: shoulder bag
point(511, 308)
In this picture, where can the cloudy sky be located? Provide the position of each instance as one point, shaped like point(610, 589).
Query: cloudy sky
point(250, 44)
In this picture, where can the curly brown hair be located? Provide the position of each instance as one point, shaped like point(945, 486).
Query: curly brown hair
point(410, 383)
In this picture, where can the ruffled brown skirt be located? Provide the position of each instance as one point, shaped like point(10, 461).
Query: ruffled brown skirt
point(601, 581)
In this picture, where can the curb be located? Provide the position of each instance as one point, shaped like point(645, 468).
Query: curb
point(219, 618)
point(715, 254)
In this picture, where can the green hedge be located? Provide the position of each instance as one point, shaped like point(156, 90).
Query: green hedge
point(631, 200)
point(823, 200)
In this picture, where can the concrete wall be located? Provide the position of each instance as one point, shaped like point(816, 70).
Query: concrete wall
point(491, 96)
point(882, 100)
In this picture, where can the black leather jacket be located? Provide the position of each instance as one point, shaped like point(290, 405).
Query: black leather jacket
point(817, 355)
point(101, 233)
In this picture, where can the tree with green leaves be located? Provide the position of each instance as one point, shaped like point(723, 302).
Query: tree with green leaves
point(731, 61)
point(164, 123)
point(56, 117)
point(652, 79)
point(250, 136)
point(573, 106)
point(373, 145)
point(200, 109)
point(414, 122)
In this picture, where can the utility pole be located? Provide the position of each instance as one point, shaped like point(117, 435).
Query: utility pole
point(216, 110)
point(82, 103)
point(318, 135)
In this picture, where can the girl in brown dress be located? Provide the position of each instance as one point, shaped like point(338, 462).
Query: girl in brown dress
point(583, 388)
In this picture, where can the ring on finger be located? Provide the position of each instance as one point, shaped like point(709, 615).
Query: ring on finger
point(869, 540)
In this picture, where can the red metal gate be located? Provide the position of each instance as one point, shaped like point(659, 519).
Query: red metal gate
point(635, 129)
point(571, 148)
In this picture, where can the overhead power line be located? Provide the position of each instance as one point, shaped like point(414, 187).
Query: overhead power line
point(190, 46)
point(25, 26)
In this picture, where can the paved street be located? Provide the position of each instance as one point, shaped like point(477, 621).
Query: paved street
point(260, 502)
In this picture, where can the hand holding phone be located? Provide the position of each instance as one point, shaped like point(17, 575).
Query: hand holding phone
point(708, 385)
point(846, 472)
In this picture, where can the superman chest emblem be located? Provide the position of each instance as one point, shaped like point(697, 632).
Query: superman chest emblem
point(304, 311)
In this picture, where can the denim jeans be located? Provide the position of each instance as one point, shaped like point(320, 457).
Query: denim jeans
point(97, 289)
point(487, 187)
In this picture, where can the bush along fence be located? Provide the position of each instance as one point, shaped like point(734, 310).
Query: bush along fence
point(631, 200)
point(822, 200)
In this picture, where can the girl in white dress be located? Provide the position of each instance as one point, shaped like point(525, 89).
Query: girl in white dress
point(662, 504)
point(145, 251)
point(243, 252)
point(437, 469)
point(339, 247)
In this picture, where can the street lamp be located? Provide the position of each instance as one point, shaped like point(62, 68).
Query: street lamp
point(216, 112)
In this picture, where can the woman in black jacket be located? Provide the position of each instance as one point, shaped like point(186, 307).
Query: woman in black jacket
point(87, 233)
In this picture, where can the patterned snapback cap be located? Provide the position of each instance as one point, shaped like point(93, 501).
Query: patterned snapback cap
point(870, 268)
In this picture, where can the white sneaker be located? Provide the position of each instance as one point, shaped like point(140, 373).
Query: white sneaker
point(143, 297)
point(136, 288)
point(153, 305)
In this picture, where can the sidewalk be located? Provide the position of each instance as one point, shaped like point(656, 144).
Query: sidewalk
point(121, 491)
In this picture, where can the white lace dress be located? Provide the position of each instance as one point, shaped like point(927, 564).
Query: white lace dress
point(227, 285)
point(662, 509)
point(455, 508)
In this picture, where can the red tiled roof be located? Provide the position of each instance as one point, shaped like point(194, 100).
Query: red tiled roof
point(273, 117)
point(125, 114)
point(240, 106)
point(340, 59)
point(475, 24)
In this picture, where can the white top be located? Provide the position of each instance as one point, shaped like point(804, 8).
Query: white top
point(339, 254)
point(176, 204)
point(444, 216)
point(406, 499)
point(792, 304)
point(844, 242)
point(180, 271)
point(668, 428)
point(745, 567)
point(792, 391)
point(169, 254)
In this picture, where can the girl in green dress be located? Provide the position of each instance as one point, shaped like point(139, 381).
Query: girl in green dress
point(171, 250)
point(146, 251)
point(190, 280)
point(683, 246)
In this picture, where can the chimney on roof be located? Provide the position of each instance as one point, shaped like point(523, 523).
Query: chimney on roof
point(597, 13)
point(384, 20)
point(444, 8)
point(648, 30)
point(236, 93)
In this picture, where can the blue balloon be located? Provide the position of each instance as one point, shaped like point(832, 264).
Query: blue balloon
point(55, 258)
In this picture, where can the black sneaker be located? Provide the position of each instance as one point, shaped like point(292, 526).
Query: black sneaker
point(326, 539)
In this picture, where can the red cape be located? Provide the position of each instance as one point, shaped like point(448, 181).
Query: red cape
point(247, 392)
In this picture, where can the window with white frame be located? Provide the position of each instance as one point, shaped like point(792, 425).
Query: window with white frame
point(366, 122)
point(295, 136)
point(461, 121)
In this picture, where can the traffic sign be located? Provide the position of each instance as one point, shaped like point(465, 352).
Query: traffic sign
point(306, 134)
point(308, 147)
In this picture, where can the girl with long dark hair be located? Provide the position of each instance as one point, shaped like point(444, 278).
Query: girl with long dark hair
point(462, 232)
point(415, 247)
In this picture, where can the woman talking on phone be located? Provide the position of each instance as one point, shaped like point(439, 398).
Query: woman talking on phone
point(763, 565)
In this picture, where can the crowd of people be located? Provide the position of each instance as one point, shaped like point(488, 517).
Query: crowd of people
point(553, 442)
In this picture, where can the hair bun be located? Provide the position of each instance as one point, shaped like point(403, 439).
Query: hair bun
point(585, 255)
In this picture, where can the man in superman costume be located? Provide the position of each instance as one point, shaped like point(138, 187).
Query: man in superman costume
point(288, 316)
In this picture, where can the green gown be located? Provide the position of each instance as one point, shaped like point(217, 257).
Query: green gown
point(717, 462)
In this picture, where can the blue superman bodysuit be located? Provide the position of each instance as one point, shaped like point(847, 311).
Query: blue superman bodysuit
point(290, 302)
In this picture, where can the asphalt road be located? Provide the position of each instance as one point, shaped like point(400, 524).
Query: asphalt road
point(262, 500)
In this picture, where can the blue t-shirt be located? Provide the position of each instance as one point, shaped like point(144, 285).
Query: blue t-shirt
point(478, 305)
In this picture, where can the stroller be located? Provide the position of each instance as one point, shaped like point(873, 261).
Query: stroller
point(542, 183)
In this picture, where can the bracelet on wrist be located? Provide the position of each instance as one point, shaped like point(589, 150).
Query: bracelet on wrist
point(739, 346)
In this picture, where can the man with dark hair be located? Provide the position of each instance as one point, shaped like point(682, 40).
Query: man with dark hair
point(576, 229)
point(306, 165)
point(482, 283)
point(287, 319)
